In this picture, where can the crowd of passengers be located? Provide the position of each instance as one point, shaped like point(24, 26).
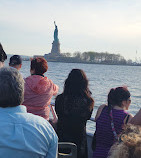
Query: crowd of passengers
point(26, 131)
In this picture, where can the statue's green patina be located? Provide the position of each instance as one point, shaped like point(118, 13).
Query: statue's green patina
point(56, 33)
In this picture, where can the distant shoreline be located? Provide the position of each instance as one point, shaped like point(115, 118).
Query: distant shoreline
point(93, 63)
point(91, 58)
point(70, 60)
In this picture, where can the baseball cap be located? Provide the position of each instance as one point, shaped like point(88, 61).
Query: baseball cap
point(15, 60)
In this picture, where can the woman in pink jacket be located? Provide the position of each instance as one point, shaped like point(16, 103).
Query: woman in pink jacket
point(39, 89)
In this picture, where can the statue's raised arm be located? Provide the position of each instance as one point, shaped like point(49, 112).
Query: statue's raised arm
point(55, 32)
point(55, 24)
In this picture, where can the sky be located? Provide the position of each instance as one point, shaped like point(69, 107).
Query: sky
point(114, 26)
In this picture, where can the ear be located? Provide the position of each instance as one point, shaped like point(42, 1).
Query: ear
point(32, 71)
point(123, 103)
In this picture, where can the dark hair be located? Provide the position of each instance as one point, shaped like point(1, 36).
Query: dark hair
point(77, 85)
point(11, 87)
point(117, 95)
point(15, 60)
point(39, 64)
point(3, 55)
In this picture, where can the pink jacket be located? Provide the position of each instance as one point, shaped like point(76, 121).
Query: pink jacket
point(38, 93)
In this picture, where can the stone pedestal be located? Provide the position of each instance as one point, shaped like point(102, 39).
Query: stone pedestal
point(55, 51)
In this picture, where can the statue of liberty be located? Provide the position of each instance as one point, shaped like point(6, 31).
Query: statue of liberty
point(56, 33)
point(55, 51)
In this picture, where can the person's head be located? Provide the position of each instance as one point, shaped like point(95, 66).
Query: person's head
point(3, 56)
point(38, 66)
point(119, 96)
point(129, 145)
point(16, 62)
point(76, 83)
point(11, 87)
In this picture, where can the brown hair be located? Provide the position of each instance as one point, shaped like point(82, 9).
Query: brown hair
point(39, 64)
point(77, 85)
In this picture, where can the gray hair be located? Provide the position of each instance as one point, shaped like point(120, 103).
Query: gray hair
point(11, 87)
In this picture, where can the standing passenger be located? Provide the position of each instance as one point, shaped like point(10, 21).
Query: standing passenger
point(110, 120)
point(74, 107)
point(3, 56)
point(39, 89)
point(15, 62)
point(22, 135)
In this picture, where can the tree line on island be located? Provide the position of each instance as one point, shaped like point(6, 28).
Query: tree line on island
point(98, 58)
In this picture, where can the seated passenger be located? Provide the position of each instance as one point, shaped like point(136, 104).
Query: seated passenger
point(39, 89)
point(129, 145)
point(3, 56)
point(15, 62)
point(74, 107)
point(22, 135)
point(110, 120)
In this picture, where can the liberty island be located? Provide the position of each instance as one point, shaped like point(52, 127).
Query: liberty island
point(90, 57)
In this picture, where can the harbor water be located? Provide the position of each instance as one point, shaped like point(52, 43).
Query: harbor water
point(101, 79)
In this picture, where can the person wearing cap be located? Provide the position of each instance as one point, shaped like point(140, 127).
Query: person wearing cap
point(15, 62)
point(3, 56)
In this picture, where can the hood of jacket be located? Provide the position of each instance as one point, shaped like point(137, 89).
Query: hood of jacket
point(38, 84)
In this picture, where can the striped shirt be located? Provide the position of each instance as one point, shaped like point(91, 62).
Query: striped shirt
point(104, 134)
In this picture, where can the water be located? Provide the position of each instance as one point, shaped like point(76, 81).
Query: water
point(101, 79)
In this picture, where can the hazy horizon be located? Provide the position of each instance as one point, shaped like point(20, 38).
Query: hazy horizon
point(27, 27)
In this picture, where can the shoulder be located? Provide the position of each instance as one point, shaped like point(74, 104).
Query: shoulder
point(99, 111)
point(38, 124)
point(30, 79)
point(52, 84)
point(26, 79)
point(49, 80)
point(59, 97)
point(30, 119)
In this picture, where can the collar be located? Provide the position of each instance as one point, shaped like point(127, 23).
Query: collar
point(38, 74)
point(19, 108)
